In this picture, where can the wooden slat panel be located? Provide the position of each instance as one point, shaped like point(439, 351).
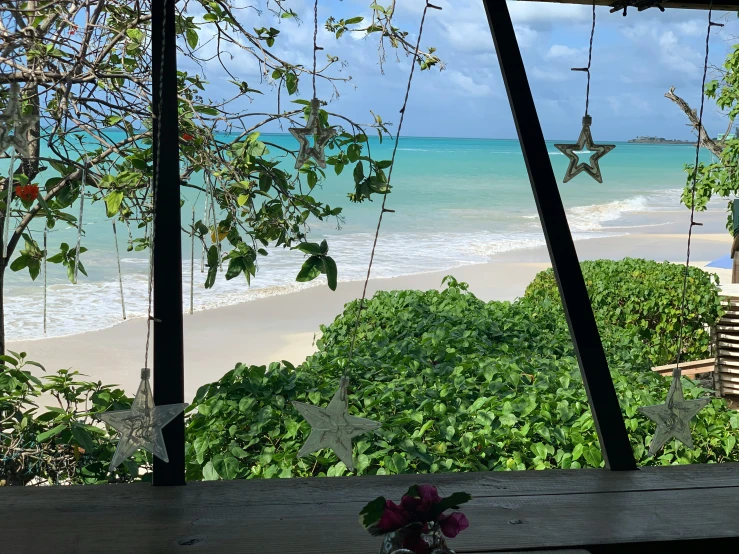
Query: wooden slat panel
point(319, 516)
point(726, 369)
point(726, 361)
point(728, 5)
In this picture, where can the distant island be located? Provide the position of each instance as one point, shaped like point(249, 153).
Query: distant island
point(660, 140)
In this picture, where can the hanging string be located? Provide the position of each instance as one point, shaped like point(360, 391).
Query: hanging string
point(79, 221)
point(155, 189)
point(46, 234)
point(206, 221)
point(383, 209)
point(192, 258)
point(677, 372)
point(590, 60)
point(120, 273)
point(315, 44)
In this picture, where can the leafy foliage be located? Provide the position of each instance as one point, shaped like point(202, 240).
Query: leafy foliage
point(62, 61)
point(459, 385)
point(63, 444)
point(643, 298)
point(720, 177)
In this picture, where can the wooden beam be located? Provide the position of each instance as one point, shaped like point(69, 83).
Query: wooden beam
point(718, 5)
point(510, 511)
point(604, 406)
point(169, 372)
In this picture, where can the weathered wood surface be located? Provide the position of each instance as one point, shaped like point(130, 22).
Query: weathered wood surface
point(718, 5)
point(510, 511)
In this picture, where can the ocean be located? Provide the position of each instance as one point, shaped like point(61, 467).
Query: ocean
point(456, 202)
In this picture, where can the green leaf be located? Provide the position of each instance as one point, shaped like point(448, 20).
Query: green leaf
point(226, 466)
point(372, 512)
point(192, 38)
point(291, 82)
point(83, 438)
point(358, 173)
point(310, 270)
point(209, 472)
point(19, 263)
point(112, 203)
point(235, 268)
point(577, 451)
point(310, 248)
point(46, 435)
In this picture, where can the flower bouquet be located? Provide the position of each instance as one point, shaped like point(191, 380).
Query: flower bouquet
point(418, 525)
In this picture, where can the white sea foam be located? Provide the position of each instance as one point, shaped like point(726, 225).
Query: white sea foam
point(93, 304)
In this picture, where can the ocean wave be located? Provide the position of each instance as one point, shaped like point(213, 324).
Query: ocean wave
point(95, 304)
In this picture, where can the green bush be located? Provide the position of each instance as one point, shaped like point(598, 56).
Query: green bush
point(64, 444)
point(644, 297)
point(459, 385)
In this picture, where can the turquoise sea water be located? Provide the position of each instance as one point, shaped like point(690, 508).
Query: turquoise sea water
point(456, 202)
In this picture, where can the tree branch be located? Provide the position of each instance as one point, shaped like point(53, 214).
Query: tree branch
point(714, 146)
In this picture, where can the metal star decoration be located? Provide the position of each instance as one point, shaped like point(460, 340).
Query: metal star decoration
point(673, 417)
point(584, 142)
point(141, 426)
point(332, 427)
point(321, 136)
point(13, 118)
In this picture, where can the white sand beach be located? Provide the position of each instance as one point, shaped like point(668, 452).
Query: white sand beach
point(284, 327)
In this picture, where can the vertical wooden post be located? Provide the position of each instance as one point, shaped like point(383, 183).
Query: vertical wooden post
point(735, 268)
point(614, 440)
point(169, 382)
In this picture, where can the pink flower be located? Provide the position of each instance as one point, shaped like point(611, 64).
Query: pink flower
point(453, 524)
point(393, 518)
point(422, 506)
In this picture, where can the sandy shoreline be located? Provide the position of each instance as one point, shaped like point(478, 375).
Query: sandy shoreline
point(283, 327)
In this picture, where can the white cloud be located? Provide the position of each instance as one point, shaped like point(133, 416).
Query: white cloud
point(526, 36)
point(544, 15)
point(468, 86)
point(560, 51)
point(548, 75)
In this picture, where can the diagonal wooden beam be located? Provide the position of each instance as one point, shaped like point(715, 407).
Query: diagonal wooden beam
point(614, 440)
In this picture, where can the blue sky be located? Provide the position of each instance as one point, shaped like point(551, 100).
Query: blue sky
point(636, 59)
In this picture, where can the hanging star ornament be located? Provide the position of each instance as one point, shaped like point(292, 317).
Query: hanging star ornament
point(12, 119)
point(321, 136)
point(141, 426)
point(673, 417)
point(332, 427)
point(584, 142)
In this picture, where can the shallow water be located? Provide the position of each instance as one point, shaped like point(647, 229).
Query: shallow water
point(456, 202)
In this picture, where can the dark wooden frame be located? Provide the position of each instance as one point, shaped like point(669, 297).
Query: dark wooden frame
point(168, 339)
point(653, 510)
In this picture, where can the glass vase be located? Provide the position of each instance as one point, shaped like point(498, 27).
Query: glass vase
point(393, 542)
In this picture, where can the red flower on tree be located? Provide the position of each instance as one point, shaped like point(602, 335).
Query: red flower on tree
point(27, 193)
point(187, 137)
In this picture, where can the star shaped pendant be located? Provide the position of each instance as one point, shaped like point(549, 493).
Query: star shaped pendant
point(13, 119)
point(584, 142)
point(332, 427)
point(673, 417)
point(141, 426)
point(321, 136)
